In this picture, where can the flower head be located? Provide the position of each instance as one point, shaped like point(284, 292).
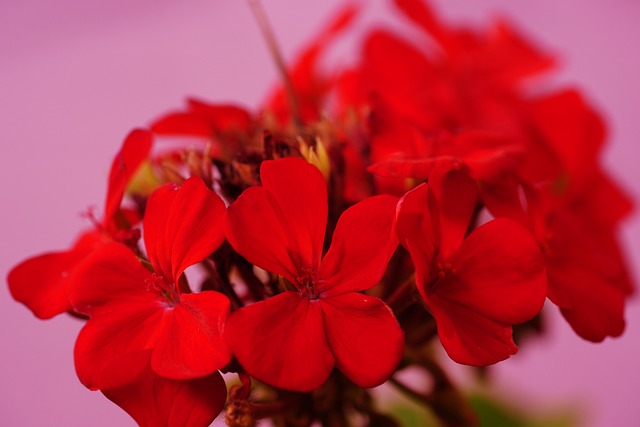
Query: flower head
point(294, 339)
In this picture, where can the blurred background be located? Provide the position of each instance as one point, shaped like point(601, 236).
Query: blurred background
point(77, 75)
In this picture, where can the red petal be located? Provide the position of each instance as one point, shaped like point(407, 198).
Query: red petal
point(504, 199)
point(301, 196)
point(363, 242)
point(469, 337)
point(406, 82)
point(588, 278)
point(110, 275)
point(42, 282)
point(181, 123)
point(288, 234)
point(498, 280)
point(365, 337)
point(182, 226)
point(419, 12)
point(500, 273)
point(222, 117)
point(573, 130)
point(455, 197)
point(106, 338)
point(189, 342)
point(281, 341)
point(415, 231)
point(594, 305)
point(111, 287)
point(261, 239)
point(413, 168)
point(155, 401)
point(489, 156)
point(134, 151)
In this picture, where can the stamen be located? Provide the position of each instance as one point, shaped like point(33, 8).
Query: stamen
point(308, 282)
point(168, 290)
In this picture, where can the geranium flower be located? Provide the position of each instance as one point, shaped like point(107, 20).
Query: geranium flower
point(42, 282)
point(572, 208)
point(132, 309)
point(294, 339)
point(476, 286)
point(464, 80)
point(587, 272)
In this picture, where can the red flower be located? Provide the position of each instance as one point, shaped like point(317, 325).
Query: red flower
point(42, 282)
point(588, 277)
point(477, 286)
point(293, 340)
point(132, 309)
point(466, 80)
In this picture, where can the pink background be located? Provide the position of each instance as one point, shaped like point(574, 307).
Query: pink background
point(76, 75)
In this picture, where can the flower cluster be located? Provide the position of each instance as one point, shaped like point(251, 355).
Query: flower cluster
point(424, 195)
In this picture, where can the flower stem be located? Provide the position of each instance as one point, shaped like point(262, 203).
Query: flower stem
point(267, 33)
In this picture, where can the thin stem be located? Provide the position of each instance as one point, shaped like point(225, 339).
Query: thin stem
point(267, 33)
point(410, 392)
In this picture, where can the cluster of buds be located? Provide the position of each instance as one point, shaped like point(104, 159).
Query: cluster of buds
point(332, 238)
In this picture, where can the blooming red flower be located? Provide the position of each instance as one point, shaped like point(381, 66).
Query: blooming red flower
point(294, 339)
point(588, 277)
point(476, 286)
point(133, 309)
point(572, 208)
point(464, 80)
point(42, 282)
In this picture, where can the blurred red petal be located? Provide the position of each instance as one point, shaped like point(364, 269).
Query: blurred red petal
point(182, 123)
point(134, 151)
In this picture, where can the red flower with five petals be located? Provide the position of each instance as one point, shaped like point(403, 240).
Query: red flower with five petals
point(151, 317)
point(294, 339)
point(477, 286)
